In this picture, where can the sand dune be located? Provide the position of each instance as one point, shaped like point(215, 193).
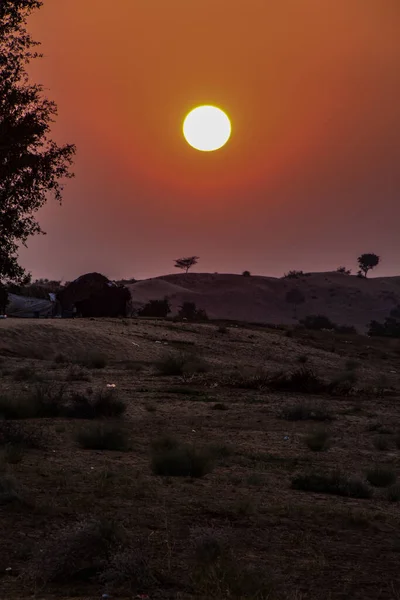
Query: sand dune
point(345, 299)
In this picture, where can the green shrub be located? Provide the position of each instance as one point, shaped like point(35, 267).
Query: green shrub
point(382, 443)
point(26, 374)
point(14, 433)
point(92, 360)
point(318, 440)
point(181, 364)
point(78, 552)
point(15, 407)
point(101, 404)
point(334, 483)
point(381, 476)
point(393, 493)
point(304, 412)
point(102, 436)
point(303, 381)
point(77, 373)
point(10, 490)
point(175, 459)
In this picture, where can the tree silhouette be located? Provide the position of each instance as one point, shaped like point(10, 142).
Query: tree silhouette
point(31, 164)
point(343, 270)
point(186, 263)
point(295, 297)
point(367, 262)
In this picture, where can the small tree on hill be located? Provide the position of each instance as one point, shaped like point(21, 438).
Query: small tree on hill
point(293, 274)
point(246, 274)
point(343, 270)
point(186, 263)
point(367, 262)
point(295, 297)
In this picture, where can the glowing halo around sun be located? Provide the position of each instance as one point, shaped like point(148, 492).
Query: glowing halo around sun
point(207, 128)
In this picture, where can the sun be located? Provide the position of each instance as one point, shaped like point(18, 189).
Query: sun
point(207, 128)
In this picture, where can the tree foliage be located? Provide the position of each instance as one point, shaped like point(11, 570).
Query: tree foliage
point(32, 165)
point(366, 262)
point(186, 263)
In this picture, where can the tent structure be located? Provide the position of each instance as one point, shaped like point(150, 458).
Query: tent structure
point(26, 307)
point(93, 295)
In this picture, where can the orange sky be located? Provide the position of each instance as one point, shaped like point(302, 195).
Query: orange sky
point(310, 178)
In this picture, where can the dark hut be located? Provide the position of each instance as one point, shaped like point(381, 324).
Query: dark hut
point(93, 295)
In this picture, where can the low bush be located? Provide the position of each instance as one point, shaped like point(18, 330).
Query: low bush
point(104, 403)
point(181, 364)
point(75, 553)
point(92, 360)
point(306, 412)
point(102, 436)
point(175, 459)
point(334, 483)
point(393, 493)
point(381, 476)
point(318, 440)
point(382, 443)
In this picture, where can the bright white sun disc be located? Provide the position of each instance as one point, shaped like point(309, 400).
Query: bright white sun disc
point(207, 128)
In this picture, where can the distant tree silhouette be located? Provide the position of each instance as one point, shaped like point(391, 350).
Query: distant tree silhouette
point(246, 274)
point(293, 274)
point(156, 308)
point(367, 262)
point(343, 270)
point(295, 297)
point(31, 164)
point(186, 263)
point(189, 311)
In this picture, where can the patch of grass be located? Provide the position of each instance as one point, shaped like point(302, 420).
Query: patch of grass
point(104, 403)
point(352, 365)
point(256, 479)
point(13, 454)
point(251, 380)
point(129, 566)
point(26, 373)
point(92, 360)
point(382, 443)
point(222, 329)
point(306, 412)
point(185, 391)
point(15, 407)
point(10, 490)
point(393, 493)
point(16, 434)
point(220, 406)
point(334, 483)
point(302, 358)
point(381, 476)
point(47, 400)
point(77, 373)
point(151, 408)
point(102, 436)
point(175, 459)
point(60, 358)
point(75, 553)
point(318, 440)
point(220, 450)
point(181, 364)
point(303, 381)
point(218, 574)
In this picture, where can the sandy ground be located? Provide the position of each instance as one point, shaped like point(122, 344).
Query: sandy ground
point(311, 546)
point(346, 300)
